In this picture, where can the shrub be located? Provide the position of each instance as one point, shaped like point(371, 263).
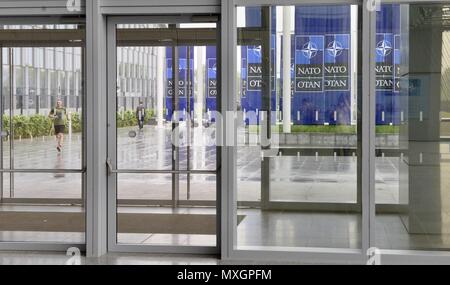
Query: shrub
point(128, 118)
point(40, 125)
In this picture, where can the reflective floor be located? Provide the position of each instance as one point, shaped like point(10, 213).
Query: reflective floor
point(39, 258)
point(259, 229)
point(308, 177)
point(48, 258)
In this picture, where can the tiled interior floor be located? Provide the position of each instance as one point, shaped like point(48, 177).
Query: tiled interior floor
point(263, 229)
point(294, 179)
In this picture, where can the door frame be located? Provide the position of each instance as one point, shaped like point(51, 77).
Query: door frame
point(113, 246)
point(40, 19)
point(315, 255)
point(229, 57)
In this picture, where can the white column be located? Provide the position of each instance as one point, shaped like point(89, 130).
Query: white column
point(200, 56)
point(161, 55)
point(38, 87)
point(278, 51)
point(199, 101)
point(49, 90)
point(354, 64)
point(287, 69)
point(76, 82)
point(26, 94)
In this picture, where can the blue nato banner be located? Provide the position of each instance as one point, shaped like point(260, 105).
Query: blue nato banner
point(251, 68)
point(322, 92)
point(182, 83)
point(211, 97)
point(388, 65)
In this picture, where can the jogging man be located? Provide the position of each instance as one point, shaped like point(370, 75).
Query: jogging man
point(140, 115)
point(59, 117)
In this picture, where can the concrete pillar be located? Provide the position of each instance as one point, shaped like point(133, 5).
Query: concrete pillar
point(287, 69)
point(161, 56)
point(423, 185)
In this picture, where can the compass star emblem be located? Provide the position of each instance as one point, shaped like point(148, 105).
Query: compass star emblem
point(384, 48)
point(256, 51)
point(335, 49)
point(310, 50)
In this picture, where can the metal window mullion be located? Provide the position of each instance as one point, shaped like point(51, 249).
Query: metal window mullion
point(11, 125)
point(112, 133)
point(368, 126)
point(188, 121)
point(219, 130)
point(229, 132)
point(82, 96)
point(175, 124)
point(265, 114)
point(1, 123)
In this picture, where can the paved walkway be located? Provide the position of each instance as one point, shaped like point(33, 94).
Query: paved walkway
point(309, 179)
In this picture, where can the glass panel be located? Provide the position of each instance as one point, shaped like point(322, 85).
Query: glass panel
point(412, 184)
point(158, 223)
point(41, 129)
point(299, 105)
point(389, 112)
point(36, 215)
point(166, 121)
point(39, 207)
point(45, 186)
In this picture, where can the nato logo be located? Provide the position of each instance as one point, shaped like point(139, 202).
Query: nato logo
point(335, 49)
point(310, 50)
point(384, 48)
point(254, 53)
point(212, 68)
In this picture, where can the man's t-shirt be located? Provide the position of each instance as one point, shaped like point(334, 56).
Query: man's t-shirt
point(140, 113)
point(60, 116)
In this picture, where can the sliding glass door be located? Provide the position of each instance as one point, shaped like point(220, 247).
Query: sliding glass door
point(162, 135)
point(299, 100)
point(42, 160)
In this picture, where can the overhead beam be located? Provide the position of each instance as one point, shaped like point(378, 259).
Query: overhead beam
point(44, 38)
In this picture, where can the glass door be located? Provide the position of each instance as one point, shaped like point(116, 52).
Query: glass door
point(299, 129)
point(42, 161)
point(163, 158)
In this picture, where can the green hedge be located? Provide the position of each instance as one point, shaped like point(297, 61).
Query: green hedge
point(40, 125)
point(37, 125)
point(128, 118)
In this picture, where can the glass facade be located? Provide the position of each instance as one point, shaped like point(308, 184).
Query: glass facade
point(339, 127)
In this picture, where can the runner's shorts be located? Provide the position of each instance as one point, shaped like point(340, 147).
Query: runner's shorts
point(60, 129)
